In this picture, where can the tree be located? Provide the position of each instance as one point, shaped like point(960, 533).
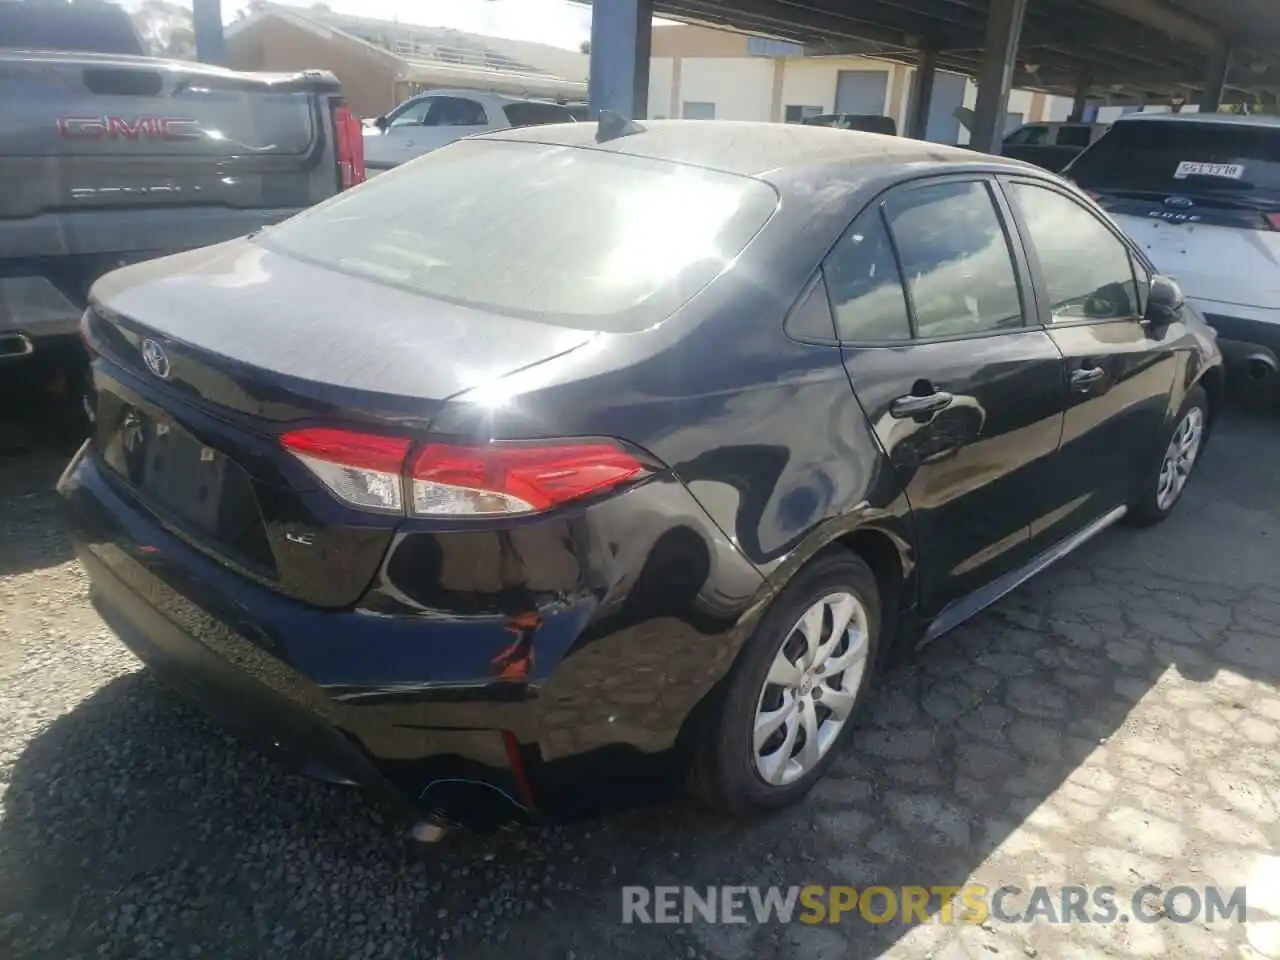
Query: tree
point(166, 28)
point(585, 46)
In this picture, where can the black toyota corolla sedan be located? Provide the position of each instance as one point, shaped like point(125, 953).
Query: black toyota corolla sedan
point(565, 463)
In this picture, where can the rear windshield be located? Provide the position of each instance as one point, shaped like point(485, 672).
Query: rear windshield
point(81, 28)
point(578, 237)
point(1182, 156)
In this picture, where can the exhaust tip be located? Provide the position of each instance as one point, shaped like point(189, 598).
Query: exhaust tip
point(15, 345)
point(426, 832)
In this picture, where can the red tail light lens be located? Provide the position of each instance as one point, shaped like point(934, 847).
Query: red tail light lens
point(1273, 220)
point(494, 480)
point(349, 147)
point(510, 479)
point(361, 469)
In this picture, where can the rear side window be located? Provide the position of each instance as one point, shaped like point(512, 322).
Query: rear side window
point(533, 114)
point(956, 259)
point(865, 286)
point(1087, 270)
point(582, 238)
point(1183, 156)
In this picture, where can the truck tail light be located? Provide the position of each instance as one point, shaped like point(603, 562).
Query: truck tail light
point(348, 147)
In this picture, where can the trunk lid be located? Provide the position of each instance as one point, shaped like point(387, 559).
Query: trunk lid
point(251, 342)
point(266, 335)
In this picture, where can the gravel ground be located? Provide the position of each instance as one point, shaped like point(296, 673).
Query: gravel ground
point(1113, 721)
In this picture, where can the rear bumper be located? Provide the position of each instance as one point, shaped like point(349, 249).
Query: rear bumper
point(231, 647)
point(464, 717)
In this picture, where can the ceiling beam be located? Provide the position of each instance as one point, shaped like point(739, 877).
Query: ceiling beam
point(1164, 17)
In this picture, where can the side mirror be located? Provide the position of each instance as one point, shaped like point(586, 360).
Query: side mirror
point(381, 123)
point(1164, 302)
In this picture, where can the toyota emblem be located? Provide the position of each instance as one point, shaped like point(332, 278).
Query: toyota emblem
point(155, 358)
point(1181, 202)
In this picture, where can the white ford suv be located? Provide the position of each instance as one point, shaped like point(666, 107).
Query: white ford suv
point(1200, 193)
point(438, 117)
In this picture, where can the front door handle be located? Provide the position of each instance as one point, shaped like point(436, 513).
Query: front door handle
point(1086, 377)
point(914, 406)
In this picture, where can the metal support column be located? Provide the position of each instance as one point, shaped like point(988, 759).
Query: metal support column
point(621, 37)
point(922, 92)
point(1081, 100)
point(206, 23)
point(1215, 79)
point(995, 75)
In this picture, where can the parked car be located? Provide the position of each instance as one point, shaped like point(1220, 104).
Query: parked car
point(431, 120)
point(121, 157)
point(1200, 193)
point(866, 122)
point(563, 462)
point(1051, 145)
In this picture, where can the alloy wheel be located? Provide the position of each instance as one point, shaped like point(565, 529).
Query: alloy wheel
point(1179, 458)
point(811, 688)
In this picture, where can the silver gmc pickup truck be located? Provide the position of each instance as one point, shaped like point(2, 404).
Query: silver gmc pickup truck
point(108, 157)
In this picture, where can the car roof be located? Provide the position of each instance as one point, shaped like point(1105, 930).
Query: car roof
point(1223, 119)
point(752, 148)
point(475, 92)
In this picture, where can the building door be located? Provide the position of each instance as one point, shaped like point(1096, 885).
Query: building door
point(861, 91)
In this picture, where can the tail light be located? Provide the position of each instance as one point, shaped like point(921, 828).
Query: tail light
point(1273, 220)
point(348, 140)
point(442, 480)
point(504, 479)
point(358, 468)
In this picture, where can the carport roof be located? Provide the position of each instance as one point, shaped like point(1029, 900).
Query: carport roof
point(1127, 48)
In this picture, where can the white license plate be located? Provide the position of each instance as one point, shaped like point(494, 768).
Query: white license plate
point(1194, 168)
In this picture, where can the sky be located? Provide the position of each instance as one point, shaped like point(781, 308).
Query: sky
point(556, 22)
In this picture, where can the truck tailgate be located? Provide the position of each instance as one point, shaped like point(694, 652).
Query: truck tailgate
point(85, 133)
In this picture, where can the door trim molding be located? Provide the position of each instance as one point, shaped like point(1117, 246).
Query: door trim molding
point(961, 609)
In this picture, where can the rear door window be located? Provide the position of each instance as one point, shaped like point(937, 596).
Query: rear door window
point(1184, 157)
point(956, 259)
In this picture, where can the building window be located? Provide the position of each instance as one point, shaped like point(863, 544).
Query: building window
point(795, 113)
point(698, 110)
point(767, 47)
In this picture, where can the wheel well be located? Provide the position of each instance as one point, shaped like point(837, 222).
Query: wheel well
point(1213, 382)
point(880, 553)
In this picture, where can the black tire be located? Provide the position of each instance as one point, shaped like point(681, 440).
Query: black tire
point(725, 775)
point(1146, 509)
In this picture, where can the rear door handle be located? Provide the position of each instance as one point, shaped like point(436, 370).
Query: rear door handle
point(914, 406)
point(1086, 377)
